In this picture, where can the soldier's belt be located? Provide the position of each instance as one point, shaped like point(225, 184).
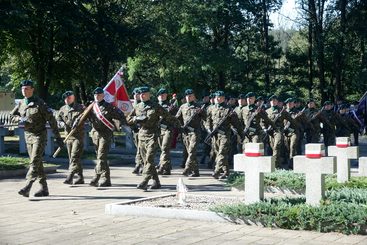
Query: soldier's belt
point(164, 126)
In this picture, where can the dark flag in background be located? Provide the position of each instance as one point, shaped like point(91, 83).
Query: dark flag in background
point(361, 111)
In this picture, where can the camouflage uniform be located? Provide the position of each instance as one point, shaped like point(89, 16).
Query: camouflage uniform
point(222, 137)
point(291, 136)
point(102, 137)
point(165, 139)
point(135, 131)
point(315, 117)
point(276, 138)
point(207, 148)
point(148, 115)
point(68, 114)
point(191, 135)
point(329, 126)
point(34, 113)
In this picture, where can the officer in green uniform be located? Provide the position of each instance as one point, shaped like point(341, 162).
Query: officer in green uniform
point(212, 153)
point(333, 121)
point(206, 151)
point(69, 116)
point(222, 113)
point(34, 113)
point(277, 115)
point(315, 117)
point(166, 133)
point(253, 128)
point(148, 114)
point(190, 115)
point(135, 130)
point(102, 132)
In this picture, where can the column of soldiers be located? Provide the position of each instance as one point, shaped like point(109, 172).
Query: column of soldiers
point(216, 120)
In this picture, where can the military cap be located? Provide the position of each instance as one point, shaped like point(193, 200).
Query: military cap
point(67, 94)
point(289, 100)
point(26, 83)
point(144, 89)
point(250, 94)
point(189, 91)
point(136, 90)
point(273, 97)
point(219, 93)
point(328, 102)
point(310, 100)
point(242, 96)
point(162, 91)
point(98, 90)
point(211, 95)
point(343, 106)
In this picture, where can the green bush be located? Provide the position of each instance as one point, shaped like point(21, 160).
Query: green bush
point(14, 163)
point(343, 211)
point(295, 181)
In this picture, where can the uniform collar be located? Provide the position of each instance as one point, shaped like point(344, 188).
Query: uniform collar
point(220, 105)
point(190, 103)
point(275, 108)
point(252, 107)
point(71, 106)
point(29, 100)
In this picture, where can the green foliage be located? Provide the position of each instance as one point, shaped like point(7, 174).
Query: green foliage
point(294, 181)
point(13, 163)
point(343, 211)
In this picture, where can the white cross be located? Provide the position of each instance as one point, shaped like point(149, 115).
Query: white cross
point(315, 166)
point(343, 153)
point(254, 165)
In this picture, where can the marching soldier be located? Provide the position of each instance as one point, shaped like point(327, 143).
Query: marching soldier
point(166, 134)
point(347, 121)
point(328, 129)
point(190, 115)
point(135, 130)
point(102, 132)
point(206, 151)
point(315, 117)
point(34, 113)
point(219, 120)
point(69, 115)
point(277, 115)
point(238, 110)
point(251, 116)
point(148, 115)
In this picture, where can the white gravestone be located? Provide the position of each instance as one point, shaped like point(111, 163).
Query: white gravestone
point(254, 164)
point(315, 166)
point(362, 166)
point(343, 153)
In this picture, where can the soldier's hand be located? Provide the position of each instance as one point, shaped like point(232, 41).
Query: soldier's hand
point(60, 142)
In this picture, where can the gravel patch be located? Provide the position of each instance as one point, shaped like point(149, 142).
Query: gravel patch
point(193, 202)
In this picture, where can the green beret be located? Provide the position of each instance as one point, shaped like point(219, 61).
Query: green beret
point(162, 91)
point(250, 94)
point(211, 95)
point(242, 96)
point(26, 83)
point(219, 93)
point(144, 89)
point(328, 102)
point(343, 106)
point(289, 100)
point(98, 90)
point(136, 91)
point(273, 97)
point(67, 94)
point(189, 91)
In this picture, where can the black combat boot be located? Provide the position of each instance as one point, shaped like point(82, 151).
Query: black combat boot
point(195, 174)
point(94, 181)
point(143, 185)
point(156, 183)
point(25, 190)
point(136, 170)
point(105, 183)
point(166, 172)
point(69, 179)
point(186, 172)
point(43, 191)
point(79, 180)
point(215, 175)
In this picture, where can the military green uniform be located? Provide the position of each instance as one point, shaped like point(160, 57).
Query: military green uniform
point(102, 137)
point(276, 137)
point(222, 137)
point(348, 128)
point(191, 134)
point(165, 139)
point(315, 117)
point(329, 126)
point(34, 113)
point(148, 115)
point(135, 131)
point(254, 129)
point(68, 115)
point(291, 136)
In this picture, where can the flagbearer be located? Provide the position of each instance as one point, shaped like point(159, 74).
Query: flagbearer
point(69, 115)
point(102, 132)
point(148, 114)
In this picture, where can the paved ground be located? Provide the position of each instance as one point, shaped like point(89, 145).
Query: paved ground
point(75, 215)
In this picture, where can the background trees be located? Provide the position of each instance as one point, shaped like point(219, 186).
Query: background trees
point(207, 45)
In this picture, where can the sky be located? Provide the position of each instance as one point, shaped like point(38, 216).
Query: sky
point(284, 17)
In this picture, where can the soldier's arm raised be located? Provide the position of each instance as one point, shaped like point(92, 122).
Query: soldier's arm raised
point(130, 119)
point(14, 114)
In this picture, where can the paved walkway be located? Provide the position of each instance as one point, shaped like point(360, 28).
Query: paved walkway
point(75, 215)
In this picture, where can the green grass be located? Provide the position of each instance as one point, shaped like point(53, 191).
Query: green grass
point(14, 163)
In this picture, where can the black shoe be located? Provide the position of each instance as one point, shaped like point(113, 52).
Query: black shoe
point(43, 192)
point(155, 185)
point(186, 172)
point(196, 174)
point(24, 192)
point(136, 170)
point(142, 186)
point(79, 180)
point(215, 175)
point(69, 179)
point(94, 181)
point(166, 172)
point(106, 183)
point(160, 171)
point(223, 176)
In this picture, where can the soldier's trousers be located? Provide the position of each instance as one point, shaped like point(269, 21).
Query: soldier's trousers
point(276, 145)
point(312, 137)
point(36, 144)
point(329, 138)
point(165, 142)
point(75, 152)
point(191, 141)
point(148, 147)
point(291, 141)
point(222, 143)
point(102, 143)
point(138, 159)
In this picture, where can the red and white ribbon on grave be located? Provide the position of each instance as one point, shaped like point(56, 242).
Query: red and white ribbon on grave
point(102, 118)
point(315, 154)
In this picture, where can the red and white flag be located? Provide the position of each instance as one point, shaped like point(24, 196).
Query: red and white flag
point(116, 93)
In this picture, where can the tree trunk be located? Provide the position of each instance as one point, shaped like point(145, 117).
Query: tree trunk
point(266, 44)
point(310, 60)
point(339, 52)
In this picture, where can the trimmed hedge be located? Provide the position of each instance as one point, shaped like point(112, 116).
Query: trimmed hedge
point(14, 163)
